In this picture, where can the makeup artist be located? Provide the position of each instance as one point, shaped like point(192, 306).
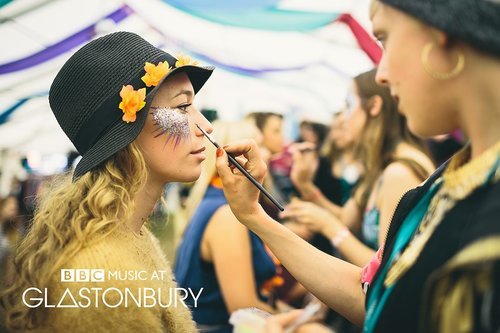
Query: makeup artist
point(440, 267)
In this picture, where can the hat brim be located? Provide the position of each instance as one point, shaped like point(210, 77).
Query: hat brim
point(121, 134)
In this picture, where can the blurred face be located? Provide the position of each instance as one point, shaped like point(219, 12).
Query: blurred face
point(272, 134)
point(172, 145)
point(428, 104)
point(338, 133)
point(258, 137)
point(307, 133)
point(10, 208)
point(354, 116)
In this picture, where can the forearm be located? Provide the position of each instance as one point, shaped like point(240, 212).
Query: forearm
point(312, 193)
point(351, 248)
point(333, 281)
point(356, 252)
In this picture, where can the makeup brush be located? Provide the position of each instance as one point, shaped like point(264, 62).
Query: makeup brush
point(245, 172)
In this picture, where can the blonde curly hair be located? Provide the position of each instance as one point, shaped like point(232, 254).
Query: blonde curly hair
point(69, 217)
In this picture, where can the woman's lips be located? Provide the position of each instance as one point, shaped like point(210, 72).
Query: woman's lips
point(198, 151)
point(199, 154)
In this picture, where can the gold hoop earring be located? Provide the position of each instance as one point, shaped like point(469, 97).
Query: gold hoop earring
point(441, 75)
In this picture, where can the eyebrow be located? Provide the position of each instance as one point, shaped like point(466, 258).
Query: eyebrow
point(184, 92)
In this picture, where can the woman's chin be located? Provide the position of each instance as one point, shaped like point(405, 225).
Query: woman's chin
point(189, 177)
point(186, 176)
point(426, 130)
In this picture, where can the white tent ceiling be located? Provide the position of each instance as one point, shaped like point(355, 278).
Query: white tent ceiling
point(318, 88)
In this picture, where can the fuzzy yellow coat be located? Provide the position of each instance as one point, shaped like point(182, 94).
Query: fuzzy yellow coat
point(129, 254)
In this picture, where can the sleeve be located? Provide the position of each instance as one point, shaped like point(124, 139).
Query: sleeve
point(464, 296)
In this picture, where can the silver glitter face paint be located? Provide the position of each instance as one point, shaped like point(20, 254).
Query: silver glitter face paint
point(172, 122)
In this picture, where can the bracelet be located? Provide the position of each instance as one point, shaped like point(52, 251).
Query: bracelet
point(340, 237)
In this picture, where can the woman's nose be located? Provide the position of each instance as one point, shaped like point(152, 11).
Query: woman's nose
point(204, 123)
point(381, 76)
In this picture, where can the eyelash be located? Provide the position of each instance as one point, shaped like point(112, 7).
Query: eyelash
point(183, 107)
point(380, 40)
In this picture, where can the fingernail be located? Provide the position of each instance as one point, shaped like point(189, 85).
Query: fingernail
point(225, 146)
point(219, 152)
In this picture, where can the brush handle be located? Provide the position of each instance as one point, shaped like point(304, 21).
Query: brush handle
point(255, 182)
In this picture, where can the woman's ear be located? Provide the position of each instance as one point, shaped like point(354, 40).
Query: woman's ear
point(440, 38)
point(376, 103)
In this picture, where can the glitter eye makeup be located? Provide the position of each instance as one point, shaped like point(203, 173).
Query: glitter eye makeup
point(172, 122)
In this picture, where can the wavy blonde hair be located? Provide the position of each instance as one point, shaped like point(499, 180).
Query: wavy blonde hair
point(69, 217)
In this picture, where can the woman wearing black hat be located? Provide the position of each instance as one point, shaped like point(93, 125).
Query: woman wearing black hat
point(88, 263)
point(440, 267)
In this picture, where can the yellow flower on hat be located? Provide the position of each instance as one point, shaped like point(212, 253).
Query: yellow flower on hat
point(154, 74)
point(132, 102)
point(183, 60)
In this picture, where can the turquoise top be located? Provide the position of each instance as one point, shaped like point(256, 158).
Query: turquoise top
point(371, 222)
point(346, 188)
point(370, 227)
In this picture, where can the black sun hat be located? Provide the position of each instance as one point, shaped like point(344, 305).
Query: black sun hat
point(85, 95)
point(476, 22)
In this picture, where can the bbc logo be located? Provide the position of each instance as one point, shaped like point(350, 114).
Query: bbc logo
point(82, 275)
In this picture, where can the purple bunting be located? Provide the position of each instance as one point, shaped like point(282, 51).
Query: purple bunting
point(63, 46)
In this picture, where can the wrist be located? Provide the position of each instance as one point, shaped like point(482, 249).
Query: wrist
point(253, 216)
point(310, 192)
point(329, 231)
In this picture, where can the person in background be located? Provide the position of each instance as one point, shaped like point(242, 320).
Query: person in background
point(335, 156)
point(275, 153)
point(393, 161)
point(270, 125)
point(11, 232)
point(312, 132)
point(337, 162)
point(336, 177)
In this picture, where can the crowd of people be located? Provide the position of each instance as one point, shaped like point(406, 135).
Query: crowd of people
point(391, 219)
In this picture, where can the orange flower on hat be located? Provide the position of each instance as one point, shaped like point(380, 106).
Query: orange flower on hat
point(132, 102)
point(154, 74)
point(183, 60)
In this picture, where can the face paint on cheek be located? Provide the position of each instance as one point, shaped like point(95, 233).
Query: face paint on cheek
point(172, 122)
